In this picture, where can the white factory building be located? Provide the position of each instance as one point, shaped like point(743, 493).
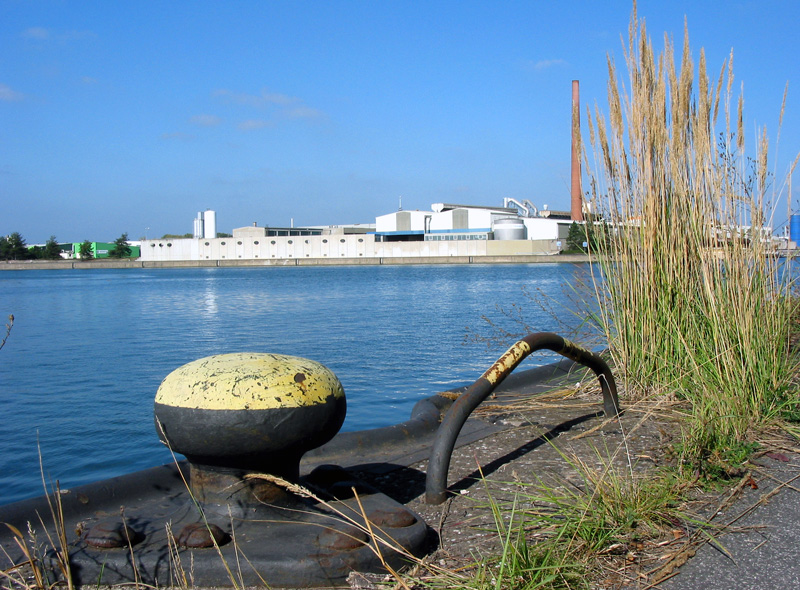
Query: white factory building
point(517, 228)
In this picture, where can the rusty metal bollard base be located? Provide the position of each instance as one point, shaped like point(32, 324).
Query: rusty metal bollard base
point(312, 542)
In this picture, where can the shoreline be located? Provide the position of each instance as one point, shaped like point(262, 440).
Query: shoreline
point(280, 262)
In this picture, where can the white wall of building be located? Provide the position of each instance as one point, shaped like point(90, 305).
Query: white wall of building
point(401, 221)
point(540, 228)
point(331, 246)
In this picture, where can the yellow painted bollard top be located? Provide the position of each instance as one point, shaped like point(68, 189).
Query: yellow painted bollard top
point(249, 381)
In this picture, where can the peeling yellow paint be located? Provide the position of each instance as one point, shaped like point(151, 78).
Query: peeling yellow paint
point(507, 362)
point(249, 381)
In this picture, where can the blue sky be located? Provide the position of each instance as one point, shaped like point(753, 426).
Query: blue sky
point(121, 116)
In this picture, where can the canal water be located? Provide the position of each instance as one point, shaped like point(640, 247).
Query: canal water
point(89, 348)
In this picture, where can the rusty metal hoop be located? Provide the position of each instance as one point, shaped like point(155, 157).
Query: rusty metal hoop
point(439, 463)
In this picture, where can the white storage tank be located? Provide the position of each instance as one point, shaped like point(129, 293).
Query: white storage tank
point(509, 228)
point(210, 224)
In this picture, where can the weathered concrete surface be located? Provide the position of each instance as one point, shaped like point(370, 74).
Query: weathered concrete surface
point(759, 546)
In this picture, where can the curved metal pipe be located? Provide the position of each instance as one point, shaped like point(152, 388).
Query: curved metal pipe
point(439, 463)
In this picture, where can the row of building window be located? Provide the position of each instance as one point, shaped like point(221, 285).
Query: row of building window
point(454, 237)
point(273, 242)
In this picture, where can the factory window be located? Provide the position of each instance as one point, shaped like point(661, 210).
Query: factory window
point(360, 239)
point(239, 244)
point(206, 245)
point(222, 243)
point(272, 242)
point(169, 244)
point(290, 242)
point(152, 245)
point(324, 241)
point(342, 240)
point(306, 241)
point(161, 245)
point(255, 242)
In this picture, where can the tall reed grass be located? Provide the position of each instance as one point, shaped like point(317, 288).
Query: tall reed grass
point(693, 300)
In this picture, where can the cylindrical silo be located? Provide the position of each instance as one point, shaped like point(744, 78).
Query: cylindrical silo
point(509, 228)
point(198, 226)
point(210, 224)
point(794, 228)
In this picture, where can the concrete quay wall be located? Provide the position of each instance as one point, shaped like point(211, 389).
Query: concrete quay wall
point(278, 262)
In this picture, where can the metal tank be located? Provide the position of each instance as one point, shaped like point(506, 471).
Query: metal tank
point(198, 226)
point(509, 228)
point(210, 224)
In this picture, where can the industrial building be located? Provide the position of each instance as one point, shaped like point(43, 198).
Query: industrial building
point(99, 249)
point(516, 228)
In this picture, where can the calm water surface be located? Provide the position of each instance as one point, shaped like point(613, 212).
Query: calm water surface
point(89, 349)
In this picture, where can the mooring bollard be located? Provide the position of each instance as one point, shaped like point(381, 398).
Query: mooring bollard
point(236, 415)
point(244, 421)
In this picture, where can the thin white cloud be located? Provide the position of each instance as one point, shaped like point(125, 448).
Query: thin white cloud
point(304, 112)
point(39, 33)
point(256, 100)
point(88, 80)
point(205, 120)
point(8, 94)
point(288, 107)
point(252, 124)
point(42, 34)
point(545, 64)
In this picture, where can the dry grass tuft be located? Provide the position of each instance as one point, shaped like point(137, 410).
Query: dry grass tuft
point(692, 298)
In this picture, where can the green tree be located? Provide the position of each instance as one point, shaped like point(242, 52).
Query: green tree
point(85, 250)
point(52, 251)
point(121, 248)
point(586, 237)
point(35, 253)
point(576, 238)
point(13, 247)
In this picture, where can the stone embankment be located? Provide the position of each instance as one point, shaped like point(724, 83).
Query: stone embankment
point(137, 263)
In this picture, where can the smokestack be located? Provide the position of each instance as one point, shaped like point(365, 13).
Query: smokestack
point(577, 201)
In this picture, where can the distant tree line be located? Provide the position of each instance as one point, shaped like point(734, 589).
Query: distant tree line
point(13, 247)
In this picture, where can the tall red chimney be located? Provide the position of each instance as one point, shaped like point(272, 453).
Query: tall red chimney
point(577, 202)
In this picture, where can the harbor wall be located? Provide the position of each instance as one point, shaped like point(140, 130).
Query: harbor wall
point(277, 262)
